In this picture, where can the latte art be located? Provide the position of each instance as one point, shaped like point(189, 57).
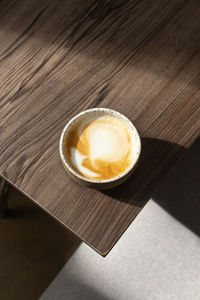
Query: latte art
point(100, 147)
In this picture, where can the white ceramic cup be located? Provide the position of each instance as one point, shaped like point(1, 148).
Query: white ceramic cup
point(100, 183)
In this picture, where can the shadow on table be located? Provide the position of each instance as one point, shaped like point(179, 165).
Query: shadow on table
point(108, 30)
point(177, 191)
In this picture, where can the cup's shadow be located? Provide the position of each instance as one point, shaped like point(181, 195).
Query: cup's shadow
point(157, 156)
point(170, 176)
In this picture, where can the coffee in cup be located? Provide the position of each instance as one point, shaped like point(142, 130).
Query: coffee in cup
point(100, 147)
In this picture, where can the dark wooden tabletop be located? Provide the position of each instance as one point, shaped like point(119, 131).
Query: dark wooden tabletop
point(58, 58)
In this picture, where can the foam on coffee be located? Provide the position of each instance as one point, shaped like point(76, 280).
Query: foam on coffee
point(100, 147)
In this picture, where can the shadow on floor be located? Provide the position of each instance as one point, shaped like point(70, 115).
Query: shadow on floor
point(73, 288)
point(179, 191)
point(33, 249)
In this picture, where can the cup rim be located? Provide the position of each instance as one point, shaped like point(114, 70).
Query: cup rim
point(69, 125)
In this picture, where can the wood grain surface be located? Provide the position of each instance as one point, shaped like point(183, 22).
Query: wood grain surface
point(58, 58)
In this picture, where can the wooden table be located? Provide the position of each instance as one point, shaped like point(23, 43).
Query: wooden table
point(58, 58)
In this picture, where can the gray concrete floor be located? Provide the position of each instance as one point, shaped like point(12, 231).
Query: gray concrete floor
point(33, 249)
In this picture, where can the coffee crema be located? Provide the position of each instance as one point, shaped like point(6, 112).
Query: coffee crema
point(99, 147)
